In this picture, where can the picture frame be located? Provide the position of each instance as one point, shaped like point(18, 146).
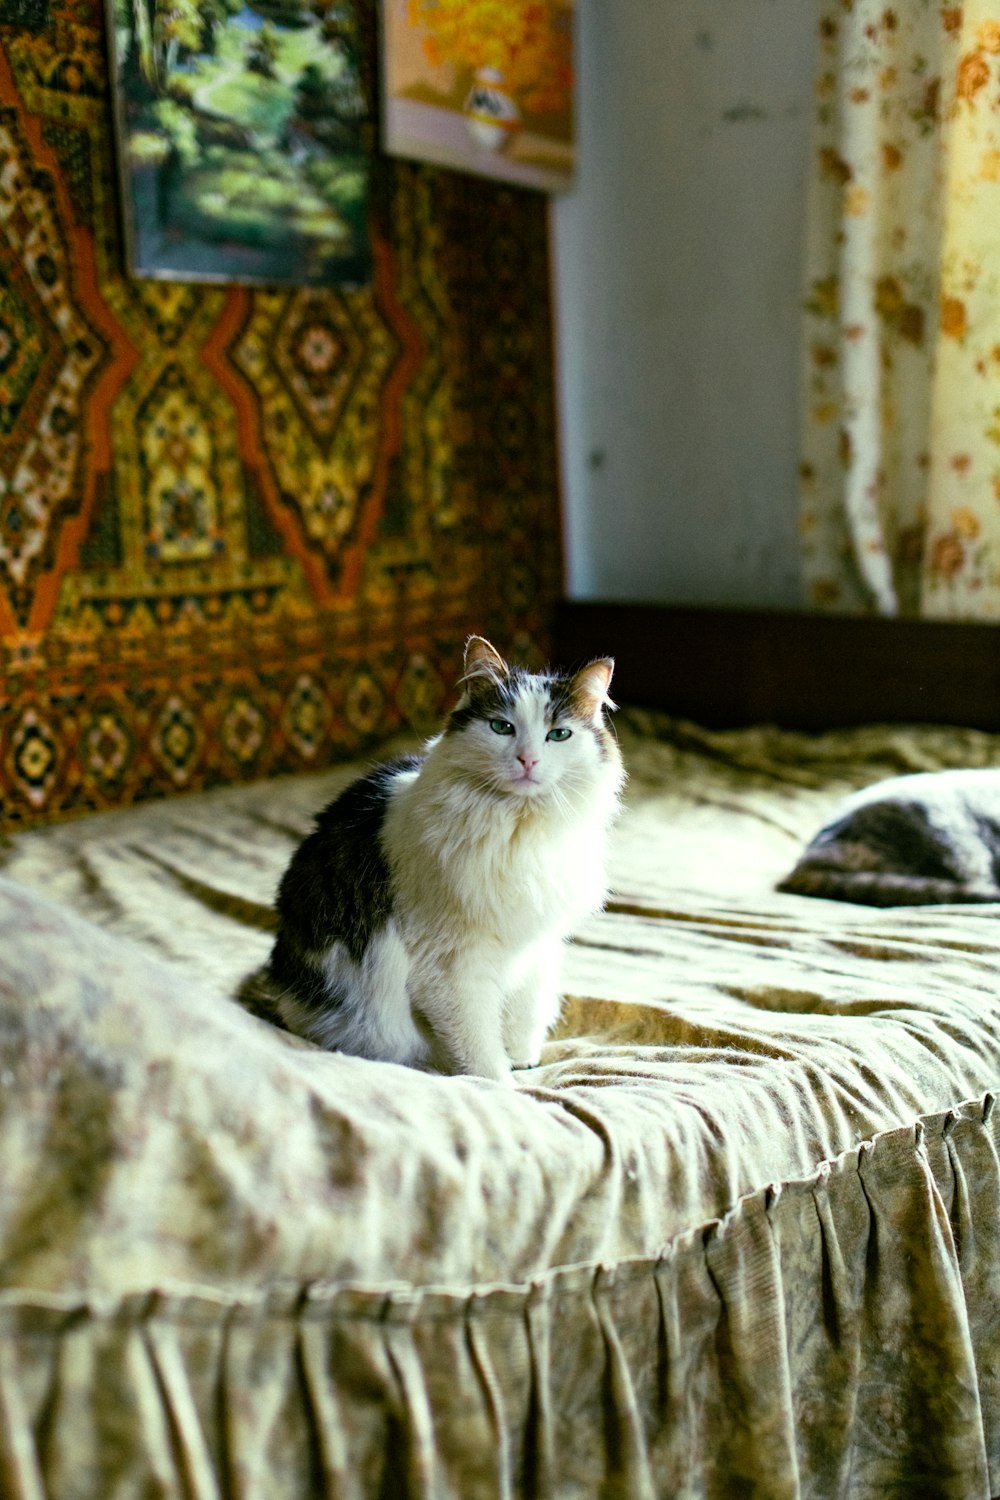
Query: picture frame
point(244, 133)
point(484, 86)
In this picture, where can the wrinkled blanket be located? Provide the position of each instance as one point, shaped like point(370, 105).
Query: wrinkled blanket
point(739, 1229)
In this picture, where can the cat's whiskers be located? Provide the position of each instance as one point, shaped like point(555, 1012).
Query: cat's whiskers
point(564, 797)
point(488, 781)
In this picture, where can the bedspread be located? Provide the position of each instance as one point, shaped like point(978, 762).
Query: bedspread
point(737, 1234)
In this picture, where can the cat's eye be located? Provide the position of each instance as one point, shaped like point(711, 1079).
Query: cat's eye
point(559, 733)
point(501, 726)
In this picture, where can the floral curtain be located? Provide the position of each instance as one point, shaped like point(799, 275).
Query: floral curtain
point(901, 464)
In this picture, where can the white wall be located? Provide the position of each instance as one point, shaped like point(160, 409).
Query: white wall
point(678, 285)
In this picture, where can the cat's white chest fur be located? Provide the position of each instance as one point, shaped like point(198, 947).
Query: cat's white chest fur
point(492, 872)
point(487, 886)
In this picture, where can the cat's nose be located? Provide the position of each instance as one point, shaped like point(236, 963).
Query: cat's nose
point(529, 762)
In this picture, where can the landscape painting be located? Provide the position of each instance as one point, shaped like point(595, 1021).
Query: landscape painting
point(483, 85)
point(244, 139)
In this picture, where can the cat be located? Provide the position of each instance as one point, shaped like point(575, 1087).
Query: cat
point(917, 840)
point(422, 920)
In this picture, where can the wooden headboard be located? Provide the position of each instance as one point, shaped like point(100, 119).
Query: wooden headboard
point(730, 667)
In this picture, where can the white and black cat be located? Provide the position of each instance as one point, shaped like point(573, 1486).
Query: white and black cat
point(422, 921)
point(925, 839)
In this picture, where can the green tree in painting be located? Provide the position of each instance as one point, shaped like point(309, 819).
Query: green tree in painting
point(134, 20)
point(215, 16)
point(293, 14)
point(311, 94)
point(262, 54)
point(176, 30)
point(339, 28)
point(161, 31)
point(332, 109)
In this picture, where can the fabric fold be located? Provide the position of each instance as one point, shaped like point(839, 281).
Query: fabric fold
point(969, 1138)
point(19, 1462)
point(628, 1451)
point(177, 1369)
point(419, 1464)
point(828, 1336)
point(755, 1414)
point(496, 1405)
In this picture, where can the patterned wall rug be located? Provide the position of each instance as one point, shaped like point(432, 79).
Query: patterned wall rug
point(245, 531)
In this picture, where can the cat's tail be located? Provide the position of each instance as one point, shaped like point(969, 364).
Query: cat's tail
point(882, 887)
point(257, 994)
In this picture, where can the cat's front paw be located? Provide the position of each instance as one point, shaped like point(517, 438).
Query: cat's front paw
point(496, 1069)
point(518, 1064)
point(499, 1075)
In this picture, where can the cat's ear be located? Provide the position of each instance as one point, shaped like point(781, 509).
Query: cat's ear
point(588, 688)
point(483, 661)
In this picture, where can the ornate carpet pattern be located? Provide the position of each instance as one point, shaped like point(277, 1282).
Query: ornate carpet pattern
point(245, 531)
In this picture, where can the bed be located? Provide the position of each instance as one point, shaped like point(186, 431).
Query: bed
point(738, 1235)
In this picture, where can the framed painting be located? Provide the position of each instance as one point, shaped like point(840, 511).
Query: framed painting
point(244, 134)
point(483, 85)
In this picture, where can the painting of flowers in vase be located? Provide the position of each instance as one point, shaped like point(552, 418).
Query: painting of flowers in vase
point(486, 86)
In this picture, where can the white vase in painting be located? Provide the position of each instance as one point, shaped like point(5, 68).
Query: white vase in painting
point(490, 111)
